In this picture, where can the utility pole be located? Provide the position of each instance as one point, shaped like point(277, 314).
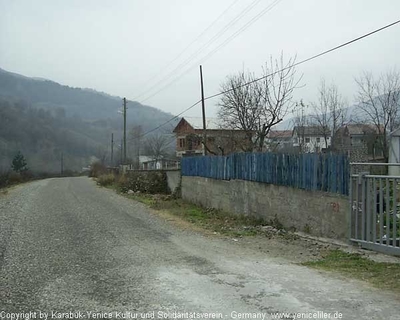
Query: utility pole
point(62, 163)
point(138, 152)
point(124, 131)
point(121, 151)
point(203, 108)
point(112, 149)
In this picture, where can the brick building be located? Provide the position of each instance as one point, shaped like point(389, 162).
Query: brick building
point(189, 138)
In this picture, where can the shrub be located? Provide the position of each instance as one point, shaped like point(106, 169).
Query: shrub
point(123, 184)
point(97, 169)
point(153, 182)
point(15, 178)
point(27, 175)
point(106, 180)
point(4, 179)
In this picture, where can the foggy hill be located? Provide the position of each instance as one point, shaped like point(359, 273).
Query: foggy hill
point(43, 119)
point(87, 104)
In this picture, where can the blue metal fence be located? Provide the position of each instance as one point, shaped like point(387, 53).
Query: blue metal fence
point(324, 172)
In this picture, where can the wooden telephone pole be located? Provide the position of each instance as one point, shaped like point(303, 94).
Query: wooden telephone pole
point(124, 131)
point(112, 149)
point(121, 151)
point(203, 108)
point(62, 163)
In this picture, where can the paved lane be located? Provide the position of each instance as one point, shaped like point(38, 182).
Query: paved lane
point(67, 245)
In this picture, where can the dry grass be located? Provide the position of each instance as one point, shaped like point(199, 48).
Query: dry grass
point(380, 274)
point(206, 218)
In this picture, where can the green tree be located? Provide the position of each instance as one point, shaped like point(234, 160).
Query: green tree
point(19, 163)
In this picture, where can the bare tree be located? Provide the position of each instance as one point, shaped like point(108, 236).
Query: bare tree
point(158, 145)
point(101, 154)
point(379, 103)
point(328, 112)
point(240, 106)
point(300, 122)
point(255, 106)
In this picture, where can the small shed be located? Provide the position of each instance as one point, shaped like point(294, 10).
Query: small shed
point(394, 152)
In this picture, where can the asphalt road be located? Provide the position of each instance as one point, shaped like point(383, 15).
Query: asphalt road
point(67, 245)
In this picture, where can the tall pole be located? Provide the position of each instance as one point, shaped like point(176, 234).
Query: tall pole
point(203, 108)
point(112, 149)
point(124, 131)
point(121, 151)
point(138, 151)
point(62, 163)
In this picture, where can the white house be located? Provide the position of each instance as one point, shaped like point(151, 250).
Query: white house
point(311, 139)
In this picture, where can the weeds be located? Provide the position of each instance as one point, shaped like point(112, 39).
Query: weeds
point(106, 180)
point(97, 169)
point(381, 274)
point(208, 218)
point(145, 182)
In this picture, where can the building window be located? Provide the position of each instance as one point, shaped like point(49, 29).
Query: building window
point(318, 140)
point(181, 143)
point(307, 140)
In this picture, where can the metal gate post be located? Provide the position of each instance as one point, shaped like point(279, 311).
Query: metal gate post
point(361, 214)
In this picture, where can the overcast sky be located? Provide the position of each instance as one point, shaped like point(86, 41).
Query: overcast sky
point(125, 47)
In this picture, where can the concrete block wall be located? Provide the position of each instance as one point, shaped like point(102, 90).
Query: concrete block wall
point(318, 213)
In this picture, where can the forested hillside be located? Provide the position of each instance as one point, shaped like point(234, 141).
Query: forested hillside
point(43, 119)
point(42, 137)
point(84, 103)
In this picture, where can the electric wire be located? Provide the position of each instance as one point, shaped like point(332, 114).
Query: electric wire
point(166, 122)
point(238, 32)
point(306, 60)
point(188, 46)
point(248, 24)
point(198, 51)
point(283, 69)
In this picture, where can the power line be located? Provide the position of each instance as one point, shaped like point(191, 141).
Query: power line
point(198, 51)
point(308, 59)
point(246, 26)
point(166, 122)
point(234, 35)
point(283, 69)
point(189, 45)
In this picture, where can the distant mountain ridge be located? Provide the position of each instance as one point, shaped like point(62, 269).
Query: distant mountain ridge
point(86, 103)
point(42, 119)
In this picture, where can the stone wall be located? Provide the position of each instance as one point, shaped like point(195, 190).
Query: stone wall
point(318, 213)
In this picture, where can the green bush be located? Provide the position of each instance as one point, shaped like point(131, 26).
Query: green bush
point(153, 182)
point(106, 180)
